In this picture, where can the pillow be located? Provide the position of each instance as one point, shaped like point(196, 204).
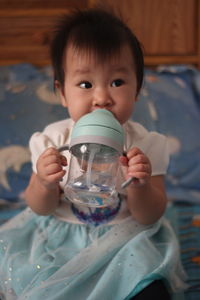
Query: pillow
point(169, 103)
point(27, 104)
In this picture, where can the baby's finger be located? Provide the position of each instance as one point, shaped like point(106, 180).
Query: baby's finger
point(51, 159)
point(54, 158)
point(50, 151)
point(142, 168)
point(53, 168)
point(133, 152)
point(63, 160)
point(138, 159)
point(123, 160)
point(56, 177)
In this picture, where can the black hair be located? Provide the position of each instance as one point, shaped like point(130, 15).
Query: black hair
point(96, 30)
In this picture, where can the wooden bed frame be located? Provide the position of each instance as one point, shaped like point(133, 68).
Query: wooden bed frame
point(168, 29)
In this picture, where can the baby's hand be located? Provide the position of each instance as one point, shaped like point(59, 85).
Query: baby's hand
point(137, 165)
point(49, 167)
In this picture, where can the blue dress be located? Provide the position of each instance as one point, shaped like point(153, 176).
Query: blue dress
point(44, 257)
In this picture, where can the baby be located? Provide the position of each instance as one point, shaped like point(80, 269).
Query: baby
point(56, 249)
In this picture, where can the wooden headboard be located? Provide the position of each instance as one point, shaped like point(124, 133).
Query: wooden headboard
point(168, 29)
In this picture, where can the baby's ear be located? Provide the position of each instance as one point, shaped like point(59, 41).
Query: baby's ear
point(59, 90)
point(57, 86)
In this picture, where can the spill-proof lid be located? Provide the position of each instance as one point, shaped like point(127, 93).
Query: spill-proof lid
point(100, 127)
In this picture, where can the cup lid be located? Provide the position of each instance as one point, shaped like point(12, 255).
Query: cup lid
point(100, 127)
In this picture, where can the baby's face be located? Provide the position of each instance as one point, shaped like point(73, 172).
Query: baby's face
point(90, 84)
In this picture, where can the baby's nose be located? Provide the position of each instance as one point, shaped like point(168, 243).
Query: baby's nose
point(102, 98)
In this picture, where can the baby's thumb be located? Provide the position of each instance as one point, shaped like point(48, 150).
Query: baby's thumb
point(63, 160)
point(123, 160)
point(124, 163)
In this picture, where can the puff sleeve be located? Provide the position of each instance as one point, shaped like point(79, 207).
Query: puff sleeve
point(153, 144)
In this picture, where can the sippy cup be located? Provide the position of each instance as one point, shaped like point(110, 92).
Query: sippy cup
point(96, 143)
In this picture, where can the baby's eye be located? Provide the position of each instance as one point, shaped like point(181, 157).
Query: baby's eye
point(85, 85)
point(117, 82)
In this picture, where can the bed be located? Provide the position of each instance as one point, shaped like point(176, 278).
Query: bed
point(168, 103)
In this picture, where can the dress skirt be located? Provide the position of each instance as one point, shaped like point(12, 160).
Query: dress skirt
point(42, 257)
